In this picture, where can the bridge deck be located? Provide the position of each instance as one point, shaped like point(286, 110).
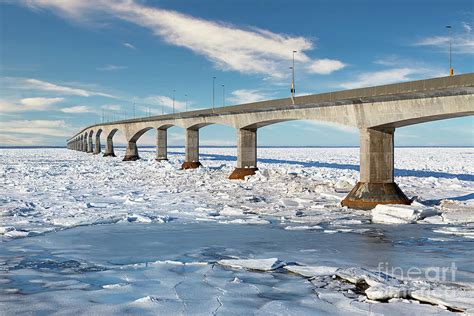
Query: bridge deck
point(443, 86)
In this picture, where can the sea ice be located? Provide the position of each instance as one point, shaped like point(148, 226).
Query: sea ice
point(457, 299)
point(311, 271)
point(296, 192)
point(401, 214)
point(253, 264)
point(463, 216)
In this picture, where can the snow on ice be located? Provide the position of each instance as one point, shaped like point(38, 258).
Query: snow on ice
point(295, 193)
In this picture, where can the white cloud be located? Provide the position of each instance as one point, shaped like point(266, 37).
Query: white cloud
point(393, 75)
point(129, 45)
point(340, 127)
point(246, 96)
point(461, 43)
point(161, 100)
point(112, 107)
point(111, 68)
point(325, 66)
point(40, 102)
point(249, 51)
point(48, 86)
point(57, 128)
point(73, 8)
point(12, 140)
point(79, 109)
point(467, 27)
point(44, 86)
point(28, 104)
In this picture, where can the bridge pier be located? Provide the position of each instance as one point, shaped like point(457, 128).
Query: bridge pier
point(131, 154)
point(246, 154)
point(84, 144)
point(191, 160)
point(97, 144)
point(90, 145)
point(161, 145)
point(109, 147)
point(376, 185)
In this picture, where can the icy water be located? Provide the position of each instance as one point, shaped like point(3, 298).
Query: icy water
point(83, 234)
point(173, 268)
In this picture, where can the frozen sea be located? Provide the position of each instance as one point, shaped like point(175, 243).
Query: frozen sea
point(85, 234)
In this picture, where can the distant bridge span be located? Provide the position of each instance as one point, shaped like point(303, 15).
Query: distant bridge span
point(375, 111)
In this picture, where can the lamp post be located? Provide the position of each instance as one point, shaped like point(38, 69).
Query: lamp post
point(186, 101)
point(223, 95)
point(213, 90)
point(451, 70)
point(293, 76)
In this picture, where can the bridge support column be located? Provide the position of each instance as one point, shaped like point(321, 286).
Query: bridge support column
point(376, 185)
point(90, 145)
point(131, 154)
point(109, 148)
point(246, 154)
point(191, 160)
point(84, 145)
point(162, 145)
point(97, 144)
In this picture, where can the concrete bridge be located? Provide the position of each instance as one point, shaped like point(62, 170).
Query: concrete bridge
point(375, 111)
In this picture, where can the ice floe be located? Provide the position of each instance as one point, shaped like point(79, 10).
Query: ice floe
point(253, 264)
point(311, 271)
point(401, 214)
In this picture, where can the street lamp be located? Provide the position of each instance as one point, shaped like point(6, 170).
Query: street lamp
point(451, 70)
point(223, 95)
point(213, 90)
point(186, 101)
point(293, 77)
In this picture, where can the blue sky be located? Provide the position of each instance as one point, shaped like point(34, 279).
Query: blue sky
point(65, 63)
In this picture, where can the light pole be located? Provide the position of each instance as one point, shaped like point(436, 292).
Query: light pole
point(451, 70)
point(223, 95)
point(173, 100)
point(293, 76)
point(186, 101)
point(213, 90)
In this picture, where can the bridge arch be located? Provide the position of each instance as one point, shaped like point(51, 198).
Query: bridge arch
point(85, 139)
point(109, 145)
point(90, 143)
point(425, 119)
point(82, 142)
point(399, 113)
point(97, 147)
